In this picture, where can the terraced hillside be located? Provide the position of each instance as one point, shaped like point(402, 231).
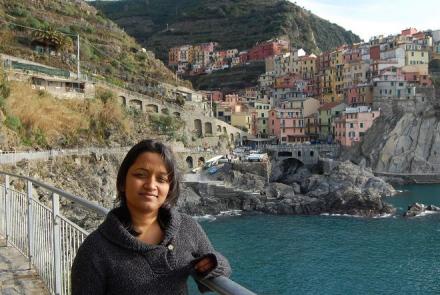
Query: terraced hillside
point(161, 24)
point(106, 51)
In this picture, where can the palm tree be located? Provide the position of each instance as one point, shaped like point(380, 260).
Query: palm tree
point(53, 38)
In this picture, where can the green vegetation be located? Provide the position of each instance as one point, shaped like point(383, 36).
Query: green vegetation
point(167, 125)
point(107, 52)
point(4, 88)
point(233, 23)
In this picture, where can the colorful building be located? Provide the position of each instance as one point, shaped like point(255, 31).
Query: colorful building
point(326, 114)
point(266, 49)
point(351, 126)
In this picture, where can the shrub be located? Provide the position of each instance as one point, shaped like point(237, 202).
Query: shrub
point(18, 11)
point(105, 95)
point(13, 122)
point(166, 125)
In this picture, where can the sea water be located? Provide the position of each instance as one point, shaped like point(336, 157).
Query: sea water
point(334, 254)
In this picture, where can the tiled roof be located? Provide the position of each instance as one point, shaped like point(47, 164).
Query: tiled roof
point(329, 106)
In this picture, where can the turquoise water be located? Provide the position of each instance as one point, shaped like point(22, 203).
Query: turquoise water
point(335, 255)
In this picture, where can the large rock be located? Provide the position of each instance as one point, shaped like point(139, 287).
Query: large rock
point(417, 209)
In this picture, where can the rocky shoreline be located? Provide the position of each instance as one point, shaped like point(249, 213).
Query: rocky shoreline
point(344, 188)
point(333, 188)
point(418, 209)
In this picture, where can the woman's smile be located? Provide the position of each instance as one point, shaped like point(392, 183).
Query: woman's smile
point(147, 184)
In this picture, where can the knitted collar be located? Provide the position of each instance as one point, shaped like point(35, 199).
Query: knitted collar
point(114, 231)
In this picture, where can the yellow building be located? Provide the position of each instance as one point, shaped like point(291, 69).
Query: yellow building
point(241, 120)
point(416, 55)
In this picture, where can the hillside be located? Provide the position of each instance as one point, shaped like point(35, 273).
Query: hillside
point(106, 51)
point(161, 24)
point(230, 80)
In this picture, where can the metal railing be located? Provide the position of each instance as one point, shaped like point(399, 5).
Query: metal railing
point(50, 241)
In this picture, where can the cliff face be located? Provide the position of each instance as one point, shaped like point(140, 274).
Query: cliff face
point(406, 139)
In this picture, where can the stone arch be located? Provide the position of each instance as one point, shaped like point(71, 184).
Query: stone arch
point(290, 165)
point(312, 153)
point(135, 104)
point(198, 127)
point(208, 128)
point(189, 162)
point(231, 137)
point(224, 130)
point(122, 100)
point(165, 111)
point(219, 129)
point(152, 108)
point(176, 114)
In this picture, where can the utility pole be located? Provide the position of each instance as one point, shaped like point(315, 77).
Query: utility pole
point(77, 57)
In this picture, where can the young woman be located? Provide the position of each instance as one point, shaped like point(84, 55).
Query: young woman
point(145, 246)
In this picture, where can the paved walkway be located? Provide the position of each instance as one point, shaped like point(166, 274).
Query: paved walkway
point(15, 277)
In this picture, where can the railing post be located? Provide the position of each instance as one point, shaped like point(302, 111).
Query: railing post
point(56, 243)
point(30, 221)
point(6, 208)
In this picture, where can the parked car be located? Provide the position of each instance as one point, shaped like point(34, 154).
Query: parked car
point(256, 157)
point(223, 159)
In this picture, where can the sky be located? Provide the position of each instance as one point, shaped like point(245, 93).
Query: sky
point(376, 17)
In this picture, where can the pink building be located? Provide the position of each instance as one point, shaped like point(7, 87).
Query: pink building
point(360, 94)
point(213, 95)
point(351, 126)
point(417, 78)
point(288, 125)
point(352, 54)
point(274, 123)
point(409, 32)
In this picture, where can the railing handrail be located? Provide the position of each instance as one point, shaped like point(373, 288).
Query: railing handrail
point(222, 285)
point(83, 202)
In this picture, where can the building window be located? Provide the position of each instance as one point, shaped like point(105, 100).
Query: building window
point(361, 125)
point(351, 125)
point(264, 121)
point(299, 153)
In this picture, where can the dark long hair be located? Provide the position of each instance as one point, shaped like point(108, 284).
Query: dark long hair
point(165, 152)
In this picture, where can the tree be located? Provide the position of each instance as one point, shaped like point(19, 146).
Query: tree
point(54, 38)
point(166, 125)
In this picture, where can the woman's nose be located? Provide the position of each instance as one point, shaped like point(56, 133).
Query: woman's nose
point(149, 182)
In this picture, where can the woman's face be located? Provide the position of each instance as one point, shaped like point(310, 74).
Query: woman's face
point(146, 184)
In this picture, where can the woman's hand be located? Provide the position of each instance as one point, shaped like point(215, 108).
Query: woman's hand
point(205, 265)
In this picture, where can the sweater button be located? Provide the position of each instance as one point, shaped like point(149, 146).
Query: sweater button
point(170, 247)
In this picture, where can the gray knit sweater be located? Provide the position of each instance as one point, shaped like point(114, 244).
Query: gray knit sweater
point(113, 261)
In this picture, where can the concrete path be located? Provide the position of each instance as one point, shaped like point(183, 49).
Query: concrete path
point(15, 277)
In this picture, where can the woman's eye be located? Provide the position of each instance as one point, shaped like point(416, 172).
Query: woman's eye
point(163, 179)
